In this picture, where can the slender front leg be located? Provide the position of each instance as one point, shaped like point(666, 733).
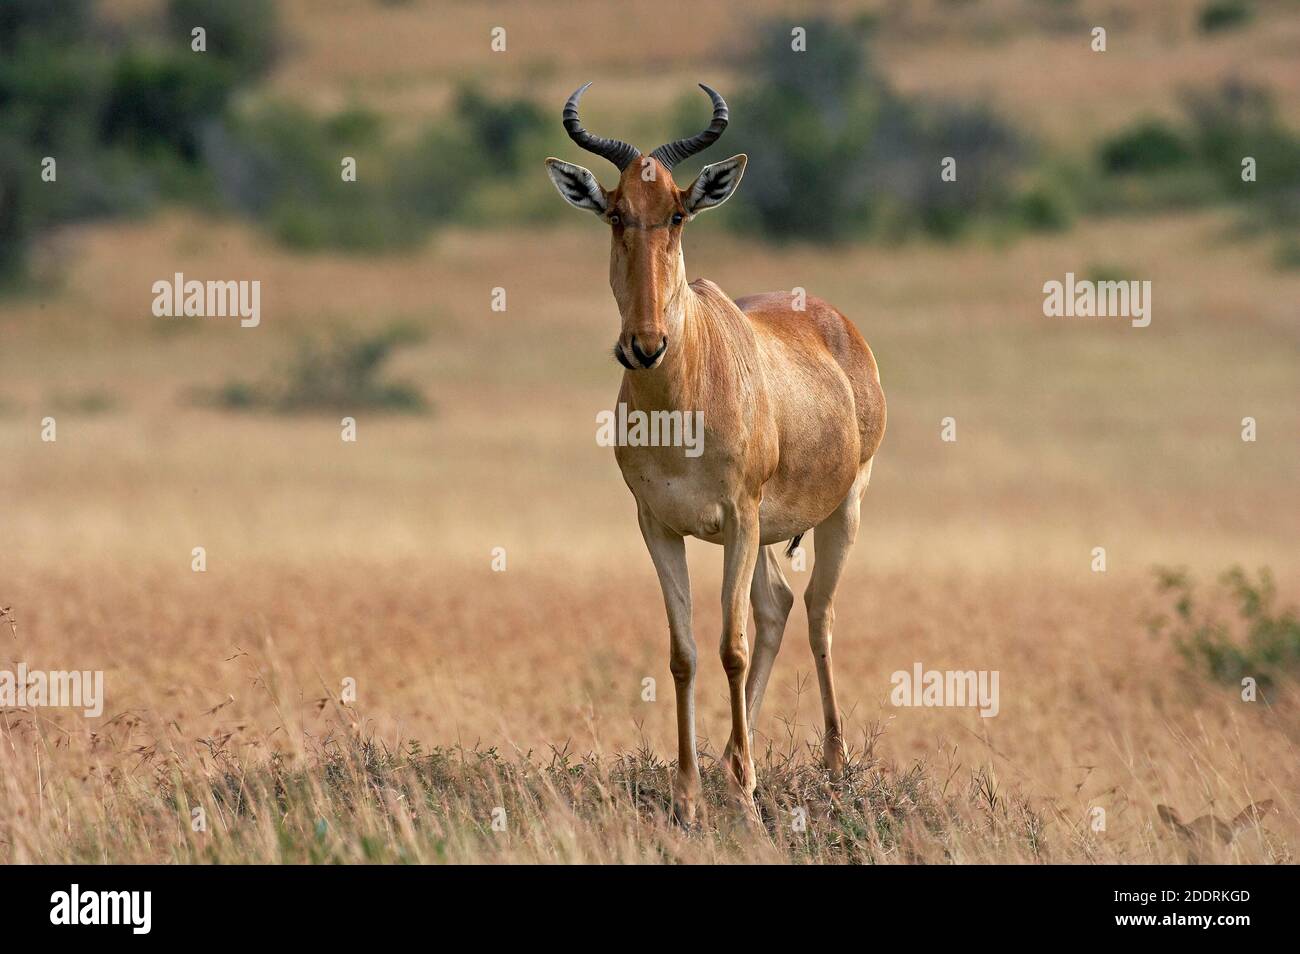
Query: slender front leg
point(740, 553)
point(668, 551)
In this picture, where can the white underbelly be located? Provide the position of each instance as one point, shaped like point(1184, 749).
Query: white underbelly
point(695, 505)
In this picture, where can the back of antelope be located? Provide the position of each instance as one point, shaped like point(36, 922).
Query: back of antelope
point(793, 413)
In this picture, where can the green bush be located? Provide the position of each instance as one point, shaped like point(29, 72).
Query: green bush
point(1154, 166)
point(59, 21)
point(1222, 126)
point(481, 163)
point(1042, 209)
point(1099, 272)
point(1224, 15)
point(51, 95)
point(1150, 146)
point(499, 130)
point(835, 153)
point(282, 166)
point(1264, 643)
point(244, 35)
point(124, 121)
point(159, 103)
point(1288, 254)
point(342, 375)
point(89, 401)
point(1237, 120)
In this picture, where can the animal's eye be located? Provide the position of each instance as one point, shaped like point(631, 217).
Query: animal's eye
point(677, 218)
point(615, 219)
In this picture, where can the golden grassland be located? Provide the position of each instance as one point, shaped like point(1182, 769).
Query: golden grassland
point(524, 693)
point(371, 561)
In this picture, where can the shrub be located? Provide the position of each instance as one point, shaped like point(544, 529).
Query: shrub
point(242, 34)
point(835, 152)
point(346, 374)
point(1042, 209)
point(1237, 120)
point(51, 94)
point(1223, 126)
point(498, 129)
point(1224, 15)
point(1165, 168)
point(125, 126)
point(343, 374)
point(1287, 256)
point(1149, 146)
point(159, 103)
point(1263, 644)
point(280, 164)
point(813, 117)
point(90, 401)
point(63, 21)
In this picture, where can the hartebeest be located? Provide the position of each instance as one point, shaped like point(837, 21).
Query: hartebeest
point(793, 414)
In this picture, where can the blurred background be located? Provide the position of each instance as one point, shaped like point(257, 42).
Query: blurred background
point(373, 559)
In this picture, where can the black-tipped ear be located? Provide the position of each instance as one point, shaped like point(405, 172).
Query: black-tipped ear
point(716, 182)
point(578, 186)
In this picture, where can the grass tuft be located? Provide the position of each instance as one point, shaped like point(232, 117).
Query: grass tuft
point(342, 375)
point(1263, 644)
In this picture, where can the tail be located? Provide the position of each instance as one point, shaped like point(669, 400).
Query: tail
point(794, 545)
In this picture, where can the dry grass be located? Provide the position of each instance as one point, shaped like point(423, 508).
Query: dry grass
point(523, 691)
point(370, 561)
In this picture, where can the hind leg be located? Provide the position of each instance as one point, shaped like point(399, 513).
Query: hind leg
point(832, 543)
point(771, 598)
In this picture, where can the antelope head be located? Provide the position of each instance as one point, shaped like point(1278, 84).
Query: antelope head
point(646, 212)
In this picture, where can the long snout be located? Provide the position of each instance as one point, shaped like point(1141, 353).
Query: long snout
point(644, 349)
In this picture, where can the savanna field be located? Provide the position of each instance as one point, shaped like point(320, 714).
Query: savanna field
point(352, 679)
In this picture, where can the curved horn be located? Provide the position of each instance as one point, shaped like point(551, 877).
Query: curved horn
point(672, 153)
point(617, 152)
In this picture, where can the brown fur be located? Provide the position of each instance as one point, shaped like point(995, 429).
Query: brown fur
point(793, 414)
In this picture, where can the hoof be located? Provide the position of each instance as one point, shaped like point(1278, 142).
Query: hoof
point(833, 753)
point(749, 814)
point(686, 799)
point(741, 791)
point(684, 813)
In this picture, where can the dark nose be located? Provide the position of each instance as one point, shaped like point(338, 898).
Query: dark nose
point(646, 360)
